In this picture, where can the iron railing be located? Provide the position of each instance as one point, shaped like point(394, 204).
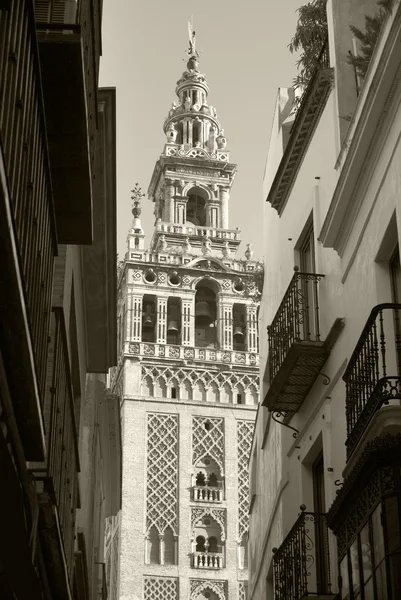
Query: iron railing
point(301, 566)
point(373, 375)
point(24, 145)
point(297, 319)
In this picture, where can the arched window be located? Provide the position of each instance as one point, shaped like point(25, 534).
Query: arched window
point(205, 315)
point(149, 318)
point(200, 544)
point(239, 326)
point(173, 320)
point(212, 480)
point(147, 386)
point(154, 546)
point(196, 208)
point(200, 479)
point(213, 544)
point(169, 547)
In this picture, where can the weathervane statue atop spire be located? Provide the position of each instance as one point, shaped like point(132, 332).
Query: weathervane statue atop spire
point(192, 51)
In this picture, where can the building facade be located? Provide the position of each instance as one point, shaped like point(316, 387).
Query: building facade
point(187, 372)
point(57, 300)
point(325, 466)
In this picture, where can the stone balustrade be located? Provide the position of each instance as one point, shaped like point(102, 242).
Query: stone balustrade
point(195, 230)
point(208, 494)
point(185, 353)
point(207, 560)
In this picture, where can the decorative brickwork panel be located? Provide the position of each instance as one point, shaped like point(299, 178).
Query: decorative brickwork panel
point(207, 377)
point(241, 590)
point(208, 440)
point(198, 587)
point(244, 441)
point(160, 588)
point(162, 473)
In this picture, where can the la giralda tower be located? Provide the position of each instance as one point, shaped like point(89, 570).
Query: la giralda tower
point(188, 372)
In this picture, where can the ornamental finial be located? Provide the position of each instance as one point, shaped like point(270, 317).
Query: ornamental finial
point(136, 197)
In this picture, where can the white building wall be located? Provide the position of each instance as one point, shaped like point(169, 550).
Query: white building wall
point(356, 279)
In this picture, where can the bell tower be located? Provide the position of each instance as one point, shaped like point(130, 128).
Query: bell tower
point(188, 369)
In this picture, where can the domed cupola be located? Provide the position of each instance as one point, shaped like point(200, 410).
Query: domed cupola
point(193, 123)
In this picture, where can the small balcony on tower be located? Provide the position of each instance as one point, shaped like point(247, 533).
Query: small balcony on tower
point(373, 375)
point(301, 565)
point(208, 545)
point(296, 351)
point(208, 483)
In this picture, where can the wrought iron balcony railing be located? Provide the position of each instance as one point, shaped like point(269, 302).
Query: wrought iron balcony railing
point(296, 352)
point(207, 494)
point(207, 560)
point(373, 375)
point(301, 566)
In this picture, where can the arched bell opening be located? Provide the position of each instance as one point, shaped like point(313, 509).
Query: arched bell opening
point(205, 315)
point(196, 207)
point(174, 320)
point(239, 326)
point(149, 318)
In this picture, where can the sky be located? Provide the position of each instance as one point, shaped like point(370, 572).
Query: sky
point(245, 58)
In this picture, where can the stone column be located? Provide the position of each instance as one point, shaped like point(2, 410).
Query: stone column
point(161, 548)
point(147, 550)
point(169, 201)
point(226, 326)
point(134, 318)
point(188, 322)
point(161, 324)
point(224, 197)
point(190, 135)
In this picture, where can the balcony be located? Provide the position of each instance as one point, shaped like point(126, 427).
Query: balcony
point(69, 51)
point(188, 353)
point(207, 494)
point(57, 477)
point(207, 560)
point(296, 352)
point(231, 235)
point(373, 375)
point(310, 109)
point(301, 566)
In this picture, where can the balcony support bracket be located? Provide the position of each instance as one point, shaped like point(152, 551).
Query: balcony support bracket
point(276, 416)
